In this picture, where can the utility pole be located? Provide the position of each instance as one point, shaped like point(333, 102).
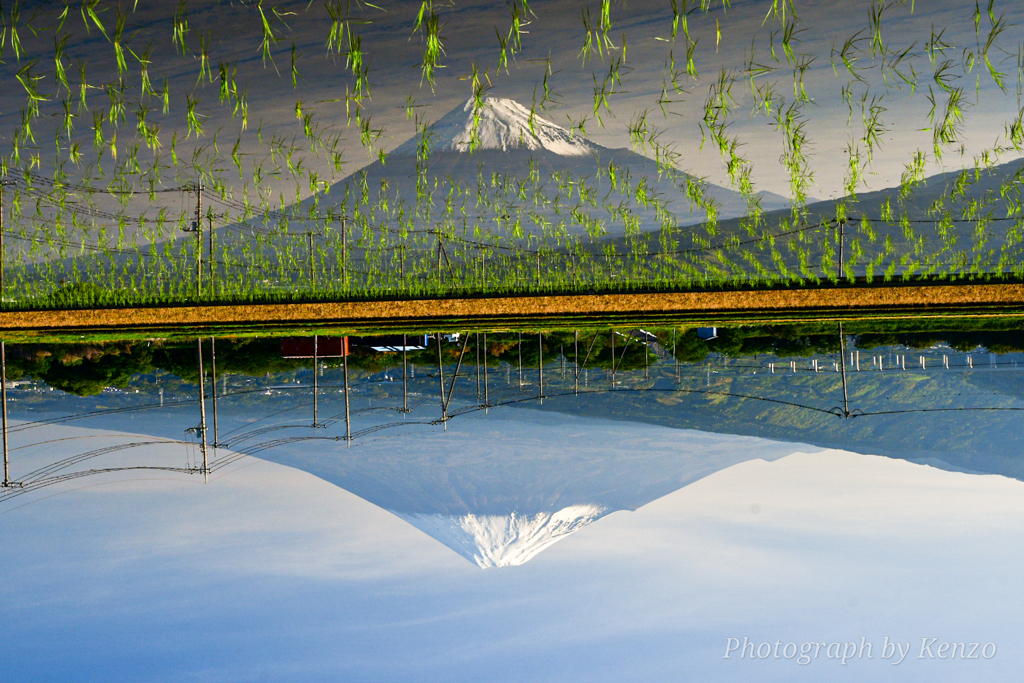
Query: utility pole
point(7, 483)
point(316, 385)
point(540, 364)
point(487, 401)
point(202, 409)
point(344, 365)
point(646, 360)
point(213, 372)
point(519, 348)
point(405, 373)
point(576, 363)
point(613, 359)
point(842, 364)
point(440, 379)
point(674, 356)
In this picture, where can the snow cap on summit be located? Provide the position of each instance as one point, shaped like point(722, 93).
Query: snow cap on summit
point(502, 124)
point(504, 540)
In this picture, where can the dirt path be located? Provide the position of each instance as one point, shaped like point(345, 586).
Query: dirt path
point(498, 312)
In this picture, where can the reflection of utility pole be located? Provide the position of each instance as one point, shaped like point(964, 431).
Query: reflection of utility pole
point(312, 265)
point(7, 483)
point(199, 239)
point(344, 254)
point(3, 398)
point(213, 289)
point(842, 240)
point(197, 228)
point(4, 182)
point(439, 260)
point(538, 266)
point(478, 367)
point(213, 373)
point(842, 363)
point(202, 409)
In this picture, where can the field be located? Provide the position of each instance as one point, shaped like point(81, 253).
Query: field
point(748, 306)
point(197, 188)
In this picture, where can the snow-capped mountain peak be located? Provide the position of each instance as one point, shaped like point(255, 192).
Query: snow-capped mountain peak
point(501, 124)
point(504, 540)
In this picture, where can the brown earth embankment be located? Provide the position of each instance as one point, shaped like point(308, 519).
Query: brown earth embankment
point(781, 305)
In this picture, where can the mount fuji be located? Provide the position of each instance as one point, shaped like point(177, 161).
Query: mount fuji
point(499, 490)
point(509, 143)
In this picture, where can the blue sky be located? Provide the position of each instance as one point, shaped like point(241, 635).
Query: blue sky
point(268, 573)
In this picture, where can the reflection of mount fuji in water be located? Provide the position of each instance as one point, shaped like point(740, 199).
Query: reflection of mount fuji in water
point(500, 489)
point(508, 141)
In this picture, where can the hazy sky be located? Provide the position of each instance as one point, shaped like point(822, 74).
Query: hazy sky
point(268, 573)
